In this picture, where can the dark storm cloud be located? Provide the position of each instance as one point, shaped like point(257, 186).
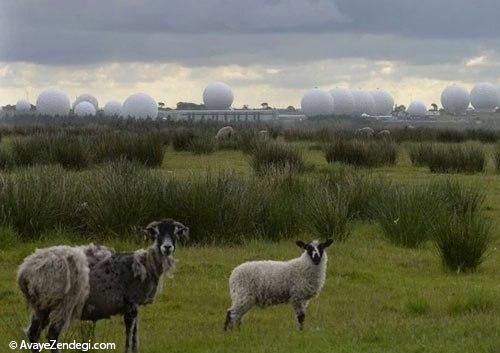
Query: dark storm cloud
point(220, 32)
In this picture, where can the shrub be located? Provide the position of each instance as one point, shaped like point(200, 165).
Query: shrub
point(362, 152)
point(182, 139)
point(450, 158)
point(329, 213)
point(451, 135)
point(203, 144)
point(146, 149)
point(460, 198)
point(70, 152)
point(39, 198)
point(420, 153)
point(462, 240)
point(30, 151)
point(120, 197)
point(405, 214)
point(276, 157)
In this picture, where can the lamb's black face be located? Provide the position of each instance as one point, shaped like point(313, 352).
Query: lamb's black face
point(315, 249)
point(166, 233)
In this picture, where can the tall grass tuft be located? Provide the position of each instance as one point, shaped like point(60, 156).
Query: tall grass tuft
point(405, 214)
point(329, 212)
point(182, 139)
point(450, 158)
point(276, 157)
point(203, 144)
point(121, 196)
point(37, 199)
point(361, 153)
point(462, 240)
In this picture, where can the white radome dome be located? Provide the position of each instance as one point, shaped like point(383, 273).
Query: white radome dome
point(417, 109)
point(343, 101)
point(317, 102)
point(23, 106)
point(384, 103)
point(455, 99)
point(363, 102)
point(86, 98)
point(140, 106)
point(85, 109)
point(218, 96)
point(53, 102)
point(113, 108)
point(484, 97)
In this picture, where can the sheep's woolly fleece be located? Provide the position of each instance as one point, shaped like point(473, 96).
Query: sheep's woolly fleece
point(275, 282)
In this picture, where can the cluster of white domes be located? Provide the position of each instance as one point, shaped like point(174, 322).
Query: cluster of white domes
point(485, 97)
point(455, 99)
point(113, 108)
point(317, 102)
point(23, 106)
point(139, 106)
point(53, 102)
point(85, 108)
point(218, 96)
point(343, 101)
point(417, 109)
point(383, 101)
point(86, 98)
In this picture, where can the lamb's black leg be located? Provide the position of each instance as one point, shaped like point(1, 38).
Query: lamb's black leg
point(53, 335)
point(300, 313)
point(135, 343)
point(228, 320)
point(39, 321)
point(130, 319)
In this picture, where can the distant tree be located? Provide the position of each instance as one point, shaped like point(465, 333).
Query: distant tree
point(399, 108)
point(290, 108)
point(434, 107)
point(161, 104)
point(245, 107)
point(264, 105)
point(189, 106)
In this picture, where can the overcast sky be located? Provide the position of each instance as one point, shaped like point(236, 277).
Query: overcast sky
point(267, 50)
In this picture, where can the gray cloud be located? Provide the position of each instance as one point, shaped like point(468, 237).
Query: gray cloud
point(219, 32)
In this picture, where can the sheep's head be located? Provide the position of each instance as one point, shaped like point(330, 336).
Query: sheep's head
point(166, 233)
point(314, 249)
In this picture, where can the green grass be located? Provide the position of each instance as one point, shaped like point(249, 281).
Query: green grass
point(369, 303)
point(378, 298)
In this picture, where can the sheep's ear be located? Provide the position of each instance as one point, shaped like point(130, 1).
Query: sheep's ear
point(300, 244)
point(151, 231)
point(327, 243)
point(181, 231)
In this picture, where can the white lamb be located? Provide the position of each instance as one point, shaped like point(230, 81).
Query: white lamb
point(267, 283)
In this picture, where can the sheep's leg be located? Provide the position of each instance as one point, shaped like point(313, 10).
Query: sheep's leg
point(39, 321)
point(300, 313)
point(135, 342)
point(236, 313)
point(53, 335)
point(130, 319)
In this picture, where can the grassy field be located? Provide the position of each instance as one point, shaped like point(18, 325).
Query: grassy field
point(377, 298)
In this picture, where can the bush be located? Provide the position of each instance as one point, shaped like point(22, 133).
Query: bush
point(203, 144)
point(276, 157)
point(120, 197)
point(38, 199)
point(450, 158)
point(182, 139)
point(462, 240)
point(405, 214)
point(329, 213)
point(362, 152)
point(146, 149)
point(420, 153)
